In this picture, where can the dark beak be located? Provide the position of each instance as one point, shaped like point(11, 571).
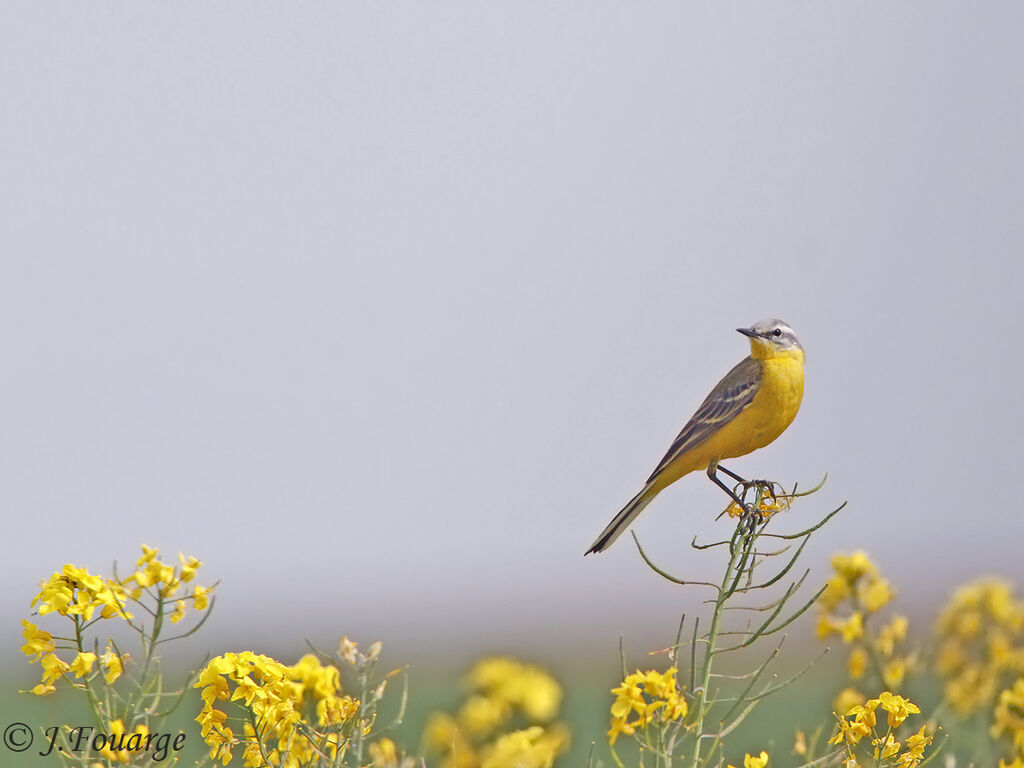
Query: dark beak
point(750, 332)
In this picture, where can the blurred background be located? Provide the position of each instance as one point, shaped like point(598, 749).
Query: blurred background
point(383, 310)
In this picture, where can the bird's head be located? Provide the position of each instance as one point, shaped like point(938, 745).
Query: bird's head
point(772, 338)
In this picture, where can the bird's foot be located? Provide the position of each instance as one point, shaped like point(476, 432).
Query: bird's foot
point(751, 519)
point(766, 487)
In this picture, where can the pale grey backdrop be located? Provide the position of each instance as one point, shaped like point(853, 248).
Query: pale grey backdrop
point(384, 309)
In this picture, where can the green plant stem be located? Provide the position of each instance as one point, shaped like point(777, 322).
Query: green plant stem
point(709, 652)
point(136, 697)
point(94, 703)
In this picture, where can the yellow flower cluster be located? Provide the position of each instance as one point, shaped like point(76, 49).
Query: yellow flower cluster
point(39, 647)
point(645, 696)
point(276, 696)
point(768, 506)
point(85, 598)
point(853, 595)
point(861, 721)
point(501, 723)
point(982, 643)
point(166, 580)
point(1009, 719)
point(73, 591)
point(511, 685)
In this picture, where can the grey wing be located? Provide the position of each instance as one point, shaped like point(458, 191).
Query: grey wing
point(730, 396)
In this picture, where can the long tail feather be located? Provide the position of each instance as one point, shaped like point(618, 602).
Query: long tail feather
point(622, 520)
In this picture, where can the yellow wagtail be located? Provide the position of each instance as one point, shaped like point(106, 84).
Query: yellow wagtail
point(746, 410)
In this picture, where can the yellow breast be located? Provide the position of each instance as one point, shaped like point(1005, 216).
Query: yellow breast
point(772, 410)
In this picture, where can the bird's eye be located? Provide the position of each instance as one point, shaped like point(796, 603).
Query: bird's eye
point(777, 332)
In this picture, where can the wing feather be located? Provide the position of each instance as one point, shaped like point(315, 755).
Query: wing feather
point(730, 396)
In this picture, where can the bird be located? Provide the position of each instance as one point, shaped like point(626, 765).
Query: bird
point(749, 408)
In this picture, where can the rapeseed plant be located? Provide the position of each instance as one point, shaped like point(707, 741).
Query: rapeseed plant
point(672, 721)
point(324, 709)
point(85, 658)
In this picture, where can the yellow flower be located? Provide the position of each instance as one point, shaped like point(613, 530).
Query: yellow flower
point(851, 567)
point(619, 725)
point(148, 555)
point(384, 753)
point(189, 565)
point(826, 626)
point(891, 634)
point(862, 721)
point(179, 612)
point(885, 748)
point(875, 594)
point(523, 686)
point(158, 574)
point(1009, 715)
point(200, 598)
point(322, 684)
point(82, 665)
point(858, 662)
point(442, 735)
point(53, 668)
point(37, 642)
point(770, 505)
point(847, 699)
point(894, 673)
point(481, 715)
point(112, 667)
point(749, 761)
point(348, 651)
point(441, 732)
point(999, 647)
point(800, 744)
point(374, 651)
point(837, 589)
point(43, 689)
point(851, 628)
point(897, 707)
point(914, 752)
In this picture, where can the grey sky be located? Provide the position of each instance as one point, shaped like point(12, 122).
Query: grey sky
point(384, 309)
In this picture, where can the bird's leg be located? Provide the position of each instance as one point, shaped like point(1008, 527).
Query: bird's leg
point(712, 473)
point(751, 517)
point(731, 474)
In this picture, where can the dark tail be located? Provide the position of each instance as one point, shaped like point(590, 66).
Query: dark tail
point(622, 520)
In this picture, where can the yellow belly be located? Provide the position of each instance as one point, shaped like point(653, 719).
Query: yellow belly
point(772, 410)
